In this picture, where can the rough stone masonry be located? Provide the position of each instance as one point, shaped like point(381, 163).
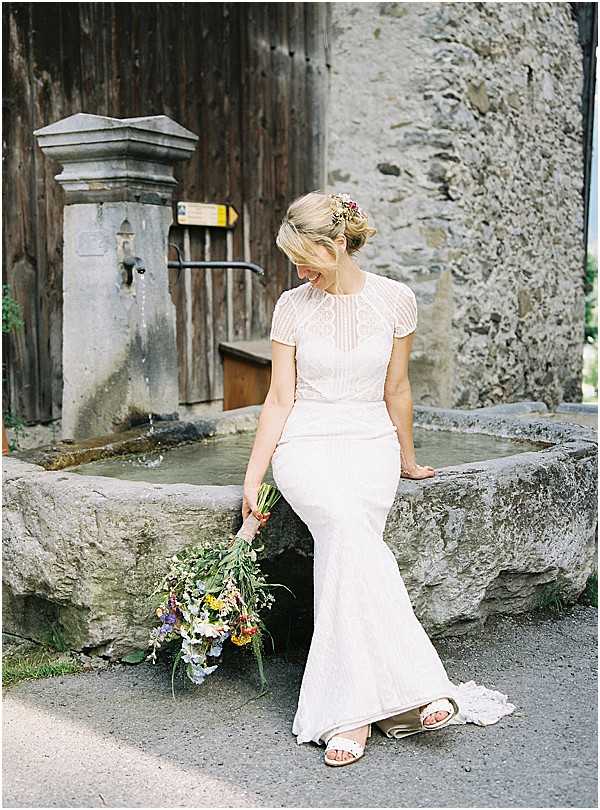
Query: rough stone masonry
point(459, 128)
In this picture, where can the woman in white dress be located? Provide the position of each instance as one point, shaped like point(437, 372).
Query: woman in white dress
point(336, 426)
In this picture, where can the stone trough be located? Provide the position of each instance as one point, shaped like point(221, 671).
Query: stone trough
point(81, 554)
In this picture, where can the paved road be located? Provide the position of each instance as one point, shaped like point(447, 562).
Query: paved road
point(116, 738)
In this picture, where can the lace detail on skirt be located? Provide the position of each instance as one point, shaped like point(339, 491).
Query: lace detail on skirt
point(479, 705)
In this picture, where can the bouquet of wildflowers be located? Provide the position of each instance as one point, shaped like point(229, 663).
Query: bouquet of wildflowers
point(211, 594)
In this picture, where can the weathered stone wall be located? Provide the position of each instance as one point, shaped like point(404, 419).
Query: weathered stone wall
point(458, 127)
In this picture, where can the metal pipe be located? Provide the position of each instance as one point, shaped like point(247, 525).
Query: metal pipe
point(256, 268)
point(242, 265)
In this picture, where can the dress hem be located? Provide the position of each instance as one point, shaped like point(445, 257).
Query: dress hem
point(374, 716)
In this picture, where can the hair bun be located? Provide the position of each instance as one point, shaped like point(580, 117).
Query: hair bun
point(344, 207)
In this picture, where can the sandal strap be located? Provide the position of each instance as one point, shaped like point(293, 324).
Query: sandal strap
point(440, 705)
point(345, 744)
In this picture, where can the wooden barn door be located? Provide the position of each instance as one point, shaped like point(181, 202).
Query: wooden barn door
point(249, 78)
point(268, 147)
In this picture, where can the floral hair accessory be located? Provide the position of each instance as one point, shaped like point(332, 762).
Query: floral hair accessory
point(344, 207)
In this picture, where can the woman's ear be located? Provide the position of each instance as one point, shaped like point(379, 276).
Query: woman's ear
point(342, 241)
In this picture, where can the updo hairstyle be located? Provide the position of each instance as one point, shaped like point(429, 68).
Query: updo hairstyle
point(317, 218)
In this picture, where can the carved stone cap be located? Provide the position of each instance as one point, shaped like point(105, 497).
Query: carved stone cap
point(108, 159)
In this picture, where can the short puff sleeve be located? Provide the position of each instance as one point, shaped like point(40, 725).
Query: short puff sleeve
point(405, 311)
point(283, 324)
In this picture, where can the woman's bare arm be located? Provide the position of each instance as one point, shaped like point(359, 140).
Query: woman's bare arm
point(398, 399)
point(273, 416)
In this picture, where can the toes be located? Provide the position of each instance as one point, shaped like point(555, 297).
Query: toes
point(340, 755)
point(435, 718)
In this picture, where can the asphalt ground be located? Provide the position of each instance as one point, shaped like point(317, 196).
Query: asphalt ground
point(116, 738)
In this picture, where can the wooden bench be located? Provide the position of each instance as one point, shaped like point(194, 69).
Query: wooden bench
point(246, 372)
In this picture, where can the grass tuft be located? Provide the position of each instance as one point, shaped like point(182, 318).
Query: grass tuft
point(34, 664)
point(550, 599)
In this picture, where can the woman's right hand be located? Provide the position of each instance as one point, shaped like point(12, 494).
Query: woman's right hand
point(249, 504)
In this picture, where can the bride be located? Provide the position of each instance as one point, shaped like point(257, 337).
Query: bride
point(336, 426)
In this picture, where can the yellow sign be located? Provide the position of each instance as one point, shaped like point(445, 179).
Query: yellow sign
point(211, 215)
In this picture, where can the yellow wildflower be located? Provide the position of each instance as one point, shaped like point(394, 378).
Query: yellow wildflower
point(215, 604)
point(241, 640)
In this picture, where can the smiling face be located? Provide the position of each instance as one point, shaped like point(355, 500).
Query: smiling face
point(316, 279)
point(322, 279)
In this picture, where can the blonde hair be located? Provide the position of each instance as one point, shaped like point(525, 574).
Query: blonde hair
point(317, 218)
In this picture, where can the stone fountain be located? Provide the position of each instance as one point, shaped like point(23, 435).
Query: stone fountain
point(119, 321)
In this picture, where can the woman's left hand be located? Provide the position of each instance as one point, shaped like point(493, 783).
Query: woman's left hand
point(417, 471)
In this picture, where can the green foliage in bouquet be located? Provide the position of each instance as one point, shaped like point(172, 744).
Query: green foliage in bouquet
point(211, 594)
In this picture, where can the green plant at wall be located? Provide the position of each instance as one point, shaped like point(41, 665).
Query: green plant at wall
point(590, 594)
point(550, 599)
point(56, 638)
point(33, 664)
point(17, 425)
point(11, 311)
point(591, 307)
point(590, 355)
point(11, 321)
point(592, 375)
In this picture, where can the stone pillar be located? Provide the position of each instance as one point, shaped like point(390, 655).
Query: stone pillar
point(118, 181)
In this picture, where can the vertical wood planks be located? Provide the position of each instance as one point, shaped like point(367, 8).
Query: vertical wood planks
point(249, 78)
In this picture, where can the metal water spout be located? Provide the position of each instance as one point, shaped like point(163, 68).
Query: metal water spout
point(131, 263)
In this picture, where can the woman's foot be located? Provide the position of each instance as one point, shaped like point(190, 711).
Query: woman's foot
point(358, 734)
point(435, 717)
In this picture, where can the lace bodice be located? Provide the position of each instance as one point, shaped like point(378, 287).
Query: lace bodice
point(344, 342)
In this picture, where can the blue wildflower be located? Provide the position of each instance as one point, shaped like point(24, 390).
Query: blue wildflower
point(216, 648)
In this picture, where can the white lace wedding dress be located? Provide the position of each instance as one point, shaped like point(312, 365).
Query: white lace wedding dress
point(337, 464)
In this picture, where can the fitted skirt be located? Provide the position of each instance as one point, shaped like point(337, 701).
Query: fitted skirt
point(337, 464)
